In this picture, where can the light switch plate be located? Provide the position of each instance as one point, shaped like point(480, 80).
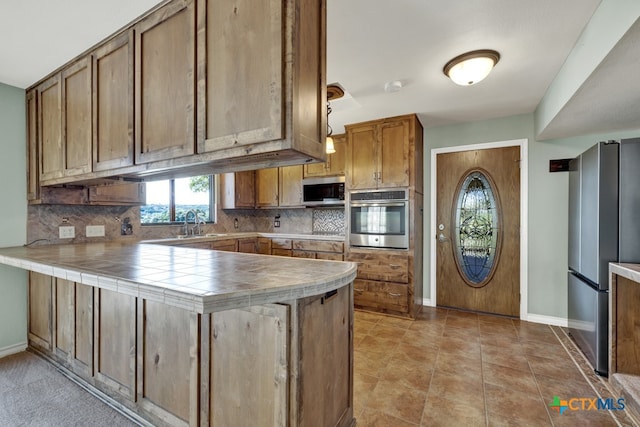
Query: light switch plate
point(95, 231)
point(67, 232)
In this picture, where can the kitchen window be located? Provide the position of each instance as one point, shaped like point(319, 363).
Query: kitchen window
point(169, 200)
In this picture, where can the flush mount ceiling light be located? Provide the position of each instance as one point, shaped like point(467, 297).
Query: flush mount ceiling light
point(471, 67)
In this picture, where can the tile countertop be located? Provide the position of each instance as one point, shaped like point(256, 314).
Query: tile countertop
point(630, 271)
point(199, 280)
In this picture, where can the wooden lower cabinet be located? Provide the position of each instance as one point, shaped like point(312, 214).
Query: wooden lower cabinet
point(248, 246)
point(284, 364)
point(385, 281)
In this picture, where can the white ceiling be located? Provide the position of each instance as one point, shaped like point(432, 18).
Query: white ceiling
point(372, 42)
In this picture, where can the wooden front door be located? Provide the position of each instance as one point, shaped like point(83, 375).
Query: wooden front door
point(478, 230)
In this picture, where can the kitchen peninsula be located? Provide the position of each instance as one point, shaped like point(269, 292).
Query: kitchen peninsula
point(184, 336)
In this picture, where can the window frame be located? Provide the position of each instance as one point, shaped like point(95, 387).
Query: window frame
point(172, 203)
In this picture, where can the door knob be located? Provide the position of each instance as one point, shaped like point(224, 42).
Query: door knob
point(442, 237)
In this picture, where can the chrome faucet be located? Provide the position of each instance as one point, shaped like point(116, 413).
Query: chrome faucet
point(195, 220)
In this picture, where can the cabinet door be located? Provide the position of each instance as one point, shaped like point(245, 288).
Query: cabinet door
point(50, 129)
point(337, 160)
point(244, 60)
point(115, 328)
point(264, 246)
point(315, 169)
point(64, 296)
point(113, 104)
point(165, 83)
point(76, 117)
point(335, 164)
point(361, 158)
point(290, 186)
point(237, 190)
point(248, 246)
point(267, 188)
point(40, 314)
point(33, 182)
point(393, 154)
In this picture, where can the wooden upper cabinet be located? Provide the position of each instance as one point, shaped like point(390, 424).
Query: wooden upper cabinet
point(244, 60)
point(362, 161)
point(267, 188)
point(237, 190)
point(393, 154)
point(382, 153)
point(335, 164)
point(50, 128)
point(290, 184)
point(113, 103)
point(165, 83)
point(77, 117)
point(64, 122)
point(33, 172)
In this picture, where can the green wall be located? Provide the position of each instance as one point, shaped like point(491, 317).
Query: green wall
point(13, 225)
point(547, 200)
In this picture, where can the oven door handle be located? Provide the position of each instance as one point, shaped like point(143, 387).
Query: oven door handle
point(376, 205)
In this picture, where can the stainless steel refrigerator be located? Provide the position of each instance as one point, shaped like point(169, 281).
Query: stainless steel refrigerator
point(604, 227)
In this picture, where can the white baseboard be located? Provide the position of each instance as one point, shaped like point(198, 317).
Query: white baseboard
point(547, 320)
point(534, 318)
point(428, 302)
point(12, 349)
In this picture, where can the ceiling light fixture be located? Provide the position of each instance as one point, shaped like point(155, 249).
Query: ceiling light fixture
point(334, 91)
point(330, 148)
point(471, 67)
point(393, 86)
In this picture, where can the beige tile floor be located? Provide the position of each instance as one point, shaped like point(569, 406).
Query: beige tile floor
point(454, 368)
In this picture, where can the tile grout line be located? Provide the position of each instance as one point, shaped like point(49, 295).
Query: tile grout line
point(587, 379)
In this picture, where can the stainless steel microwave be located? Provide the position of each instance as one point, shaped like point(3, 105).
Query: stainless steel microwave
point(324, 191)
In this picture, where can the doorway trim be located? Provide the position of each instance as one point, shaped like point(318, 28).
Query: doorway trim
point(524, 203)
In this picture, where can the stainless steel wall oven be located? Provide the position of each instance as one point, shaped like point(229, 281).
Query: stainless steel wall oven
point(379, 218)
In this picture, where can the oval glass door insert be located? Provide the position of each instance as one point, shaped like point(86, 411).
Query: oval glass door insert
point(477, 232)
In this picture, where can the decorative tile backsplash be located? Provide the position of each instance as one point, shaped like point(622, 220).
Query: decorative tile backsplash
point(44, 220)
point(329, 221)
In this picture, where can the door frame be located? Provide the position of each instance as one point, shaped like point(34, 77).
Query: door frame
point(524, 203)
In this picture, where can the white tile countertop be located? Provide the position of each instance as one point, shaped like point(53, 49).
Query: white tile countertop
point(629, 271)
point(199, 280)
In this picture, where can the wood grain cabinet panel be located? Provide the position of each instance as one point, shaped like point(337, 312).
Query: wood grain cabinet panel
point(290, 186)
point(113, 101)
point(267, 188)
point(168, 340)
point(77, 117)
point(40, 310)
point(64, 293)
point(50, 129)
point(252, 343)
point(244, 61)
point(228, 245)
point(33, 170)
point(83, 327)
point(237, 190)
point(165, 83)
point(383, 153)
point(248, 246)
point(264, 246)
point(325, 359)
point(335, 164)
point(115, 356)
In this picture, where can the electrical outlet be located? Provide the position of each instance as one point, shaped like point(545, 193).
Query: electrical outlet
point(67, 232)
point(95, 230)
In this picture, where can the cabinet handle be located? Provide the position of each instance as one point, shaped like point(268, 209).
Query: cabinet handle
point(391, 294)
point(375, 176)
point(394, 265)
point(358, 290)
